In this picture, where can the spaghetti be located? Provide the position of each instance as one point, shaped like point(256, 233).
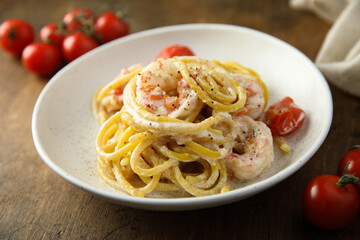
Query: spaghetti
point(174, 127)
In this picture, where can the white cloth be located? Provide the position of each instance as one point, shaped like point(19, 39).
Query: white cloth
point(339, 56)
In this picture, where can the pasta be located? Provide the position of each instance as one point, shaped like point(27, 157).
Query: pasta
point(181, 126)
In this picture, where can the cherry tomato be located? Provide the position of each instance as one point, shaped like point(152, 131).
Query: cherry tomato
point(284, 117)
point(353, 158)
point(74, 19)
point(328, 206)
point(175, 50)
point(15, 35)
point(109, 27)
point(51, 33)
point(42, 58)
point(76, 44)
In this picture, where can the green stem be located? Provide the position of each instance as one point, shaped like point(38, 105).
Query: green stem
point(355, 147)
point(12, 33)
point(348, 178)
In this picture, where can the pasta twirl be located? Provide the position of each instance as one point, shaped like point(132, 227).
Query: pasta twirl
point(175, 127)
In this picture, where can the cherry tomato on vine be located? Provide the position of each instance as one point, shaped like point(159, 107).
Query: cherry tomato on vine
point(353, 158)
point(15, 35)
point(51, 33)
point(284, 117)
point(175, 50)
point(76, 44)
point(41, 58)
point(109, 27)
point(74, 19)
point(328, 206)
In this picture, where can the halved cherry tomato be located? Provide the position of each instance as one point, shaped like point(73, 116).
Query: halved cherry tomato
point(76, 44)
point(284, 117)
point(74, 19)
point(51, 33)
point(327, 205)
point(109, 27)
point(42, 58)
point(175, 50)
point(353, 158)
point(15, 35)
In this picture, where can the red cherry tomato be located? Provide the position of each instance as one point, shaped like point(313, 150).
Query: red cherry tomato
point(15, 35)
point(175, 50)
point(284, 117)
point(42, 58)
point(76, 44)
point(51, 33)
point(328, 206)
point(353, 158)
point(74, 19)
point(109, 27)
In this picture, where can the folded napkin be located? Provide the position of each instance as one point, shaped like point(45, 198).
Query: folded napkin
point(339, 56)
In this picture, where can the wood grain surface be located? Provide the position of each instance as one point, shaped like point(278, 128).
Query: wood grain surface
point(35, 203)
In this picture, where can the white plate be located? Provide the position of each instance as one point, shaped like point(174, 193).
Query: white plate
point(64, 128)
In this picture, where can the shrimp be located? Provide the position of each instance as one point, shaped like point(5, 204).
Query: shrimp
point(113, 101)
point(253, 150)
point(255, 97)
point(161, 89)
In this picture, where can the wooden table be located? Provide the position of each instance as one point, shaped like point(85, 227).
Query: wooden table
point(35, 203)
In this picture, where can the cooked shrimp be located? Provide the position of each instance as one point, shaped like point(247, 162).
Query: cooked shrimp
point(113, 101)
point(161, 89)
point(255, 98)
point(253, 150)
